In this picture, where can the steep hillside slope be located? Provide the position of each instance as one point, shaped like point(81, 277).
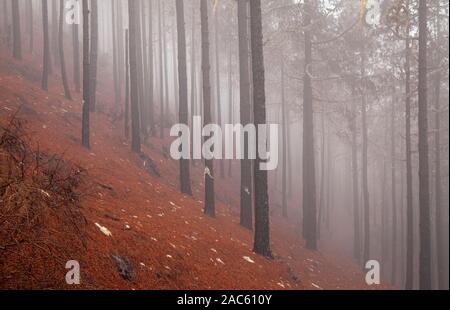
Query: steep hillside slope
point(160, 237)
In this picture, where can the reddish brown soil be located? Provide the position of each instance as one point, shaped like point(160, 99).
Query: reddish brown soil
point(171, 244)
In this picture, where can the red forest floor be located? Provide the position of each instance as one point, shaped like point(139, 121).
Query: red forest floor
point(169, 242)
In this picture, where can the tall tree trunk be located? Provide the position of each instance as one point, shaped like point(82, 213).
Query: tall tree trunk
point(61, 52)
point(151, 97)
point(85, 131)
point(394, 195)
point(409, 281)
point(31, 27)
point(185, 182)
point(309, 176)
point(284, 142)
point(145, 61)
point(161, 77)
point(114, 52)
point(424, 179)
point(127, 87)
point(230, 99)
point(218, 84)
point(365, 186)
point(165, 62)
point(176, 86)
point(17, 39)
point(355, 188)
point(55, 46)
point(46, 53)
point(246, 215)
point(262, 231)
point(206, 67)
point(193, 66)
point(440, 224)
point(322, 173)
point(93, 56)
point(76, 58)
point(134, 78)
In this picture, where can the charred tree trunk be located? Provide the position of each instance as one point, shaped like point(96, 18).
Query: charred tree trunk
point(246, 214)
point(151, 97)
point(46, 53)
point(55, 45)
point(17, 39)
point(127, 87)
point(85, 131)
point(206, 68)
point(93, 56)
point(31, 27)
point(185, 182)
point(309, 176)
point(134, 78)
point(61, 52)
point(355, 188)
point(409, 281)
point(284, 142)
point(424, 179)
point(76, 58)
point(218, 84)
point(394, 195)
point(145, 60)
point(161, 77)
point(262, 231)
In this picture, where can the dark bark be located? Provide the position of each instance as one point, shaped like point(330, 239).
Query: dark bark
point(46, 52)
point(309, 177)
point(151, 98)
point(31, 27)
point(409, 281)
point(161, 77)
point(85, 131)
point(185, 182)
point(394, 196)
point(218, 84)
point(76, 58)
point(127, 87)
point(284, 143)
point(61, 52)
point(355, 188)
point(134, 78)
point(262, 231)
point(210, 209)
point(17, 39)
point(93, 56)
point(54, 42)
point(424, 178)
point(246, 215)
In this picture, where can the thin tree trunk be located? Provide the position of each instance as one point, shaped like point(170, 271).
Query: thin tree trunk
point(231, 100)
point(355, 188)
point(218, 84)
point(262, 231)
point(309, 177)
point(394, 195)
point(93, 56)
point(424, 179)
point(151, 97)
point(246, 215)
point(17, 39)
point(206, 68)
point(127, 86)
point(85, 131)
point(145, 60)
point(61, 52)
point(76, 58)
point(31, 27)
point(134, 96)
point(176, 85)
point(114, 52)
point(185, 182)
point(54, 31)
point(409, 281)
point(46, 53)
point(284, 142)
point(161, 77)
